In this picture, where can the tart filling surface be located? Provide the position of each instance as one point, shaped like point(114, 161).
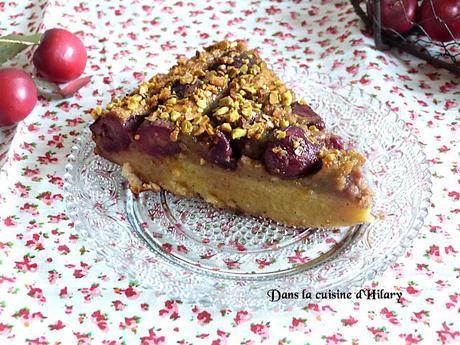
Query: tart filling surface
point(222, 126)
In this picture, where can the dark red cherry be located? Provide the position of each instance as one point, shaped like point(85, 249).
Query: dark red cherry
point(250, 147)
point(292, 156)
point(154, 138)
point(396, 15)
point(183, 90)
point(238, 61)
point(60, 57)
point(221, 152)
point(133, 123)
point(440, 19)
point(334, 142)
point(110, 134)
point(17, 97)
point(309, 116)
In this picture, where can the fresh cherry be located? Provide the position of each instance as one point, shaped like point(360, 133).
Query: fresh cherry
point(60, 57)
point(18, 95)
point(396, 15)
point(446, 16)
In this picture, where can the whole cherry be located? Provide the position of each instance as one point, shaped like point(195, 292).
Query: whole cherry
point(19, 95)
point(440, 19)
point(60, 57)
point(396, 15)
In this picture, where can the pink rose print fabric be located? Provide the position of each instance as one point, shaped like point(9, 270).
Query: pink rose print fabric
point(55, 290)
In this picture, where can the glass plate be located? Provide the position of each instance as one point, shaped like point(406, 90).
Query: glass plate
point(189, 250)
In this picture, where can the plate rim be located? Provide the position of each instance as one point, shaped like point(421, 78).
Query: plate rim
point(361, 277)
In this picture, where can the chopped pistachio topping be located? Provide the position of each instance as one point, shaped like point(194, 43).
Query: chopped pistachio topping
point(96, 112)
point(284, 123)
point(233, 116)
point(197, 120)
point(186, 127)
point(174, 115)
point(221, 111)
point(247, 112)
point(143, 89)
point(255, 69)
point(238, 133)
point(287, 98)
point(226, 127)
point(330, 157)
point(227, 101)
point(255, 101)
point(187, 78)
point(280, 134)
point(199, 73)
point(274, 97)
point(164, 115)
point(171, 101)
point(249, 88)
point(132, 104)
point(201, 103)
point(232, 71)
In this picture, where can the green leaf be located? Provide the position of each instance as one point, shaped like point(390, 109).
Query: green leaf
point(11, 45)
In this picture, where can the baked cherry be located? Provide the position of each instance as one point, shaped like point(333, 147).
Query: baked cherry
point(133, 123)
point(292, 156)
point(183, 90)
point(309, 116)
point(443, 24)
point(334, 142)
point(60, 57)
point(249, 147)
point(18, 96)
point(395, 15)
point(154, 138)
point(221, 152)
point(239, 60)
point(110, 134)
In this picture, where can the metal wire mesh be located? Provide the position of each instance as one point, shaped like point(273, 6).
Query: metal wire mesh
point(416, 41)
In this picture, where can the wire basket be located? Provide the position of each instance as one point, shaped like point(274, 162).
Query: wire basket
point(416, 41)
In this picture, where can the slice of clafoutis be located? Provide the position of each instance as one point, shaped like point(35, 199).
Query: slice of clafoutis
point(223, 127)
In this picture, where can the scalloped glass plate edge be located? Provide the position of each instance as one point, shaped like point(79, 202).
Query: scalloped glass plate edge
point(240, 298)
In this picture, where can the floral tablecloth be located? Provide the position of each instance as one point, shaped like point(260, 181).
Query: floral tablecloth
point(53, 289)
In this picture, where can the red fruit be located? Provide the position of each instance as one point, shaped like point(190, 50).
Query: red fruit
point(18, 95)
point(60, 57)
point(110, 133)
point(309, 116)
point(446, 16)
point(396, 15)
point(292, 156)
point(221, 152)
point(154, 138)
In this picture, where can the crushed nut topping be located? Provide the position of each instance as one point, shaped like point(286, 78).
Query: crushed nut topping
point(226, 82)
point(226, 87)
